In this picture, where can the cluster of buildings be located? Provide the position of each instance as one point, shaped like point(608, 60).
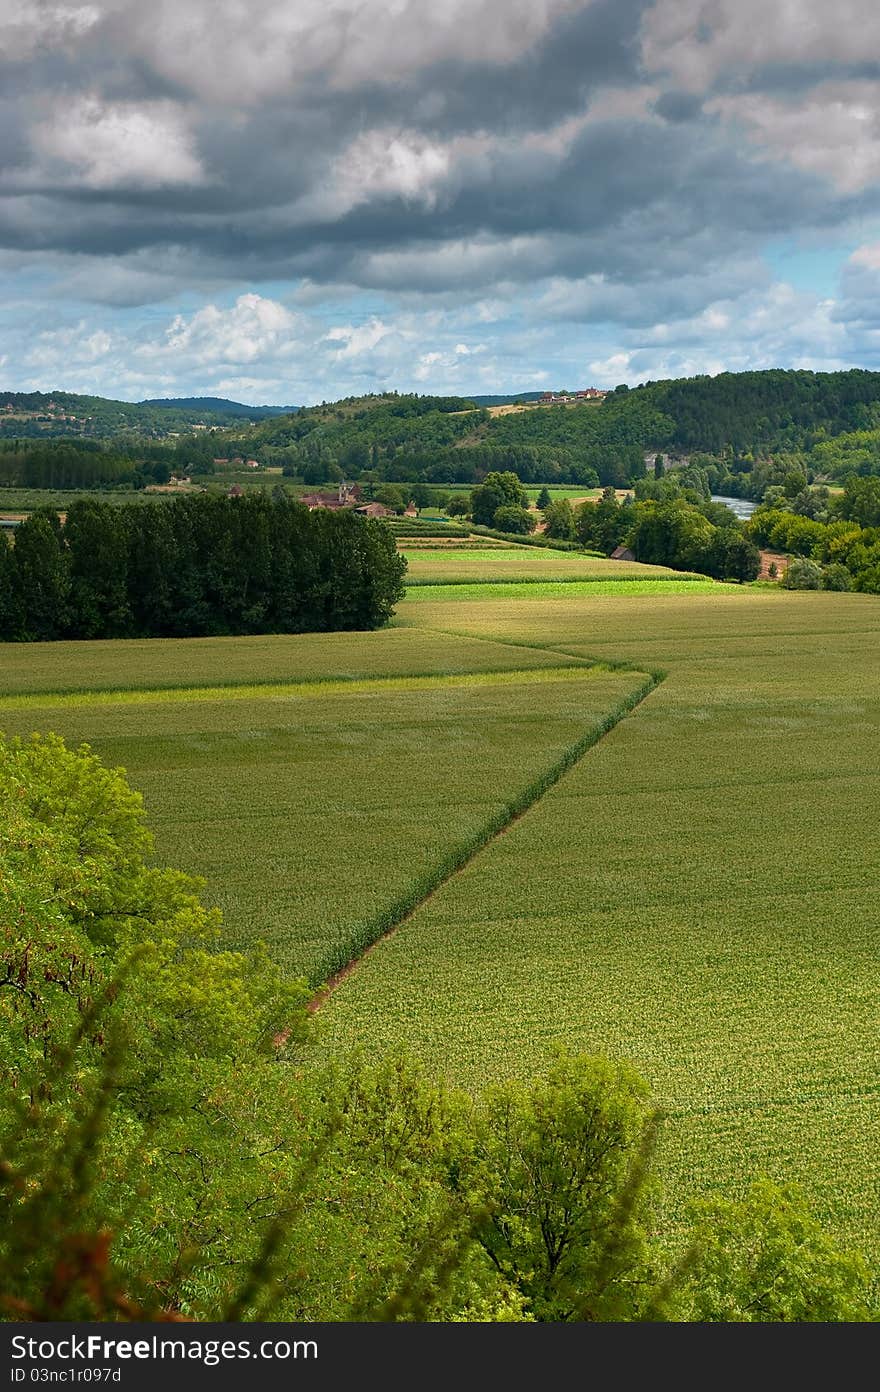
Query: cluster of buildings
point(566, 399)
point(349, 495)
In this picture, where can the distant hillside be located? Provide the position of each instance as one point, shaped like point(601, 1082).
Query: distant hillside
point(218, 406)
point(35, 415)
point(403, 437)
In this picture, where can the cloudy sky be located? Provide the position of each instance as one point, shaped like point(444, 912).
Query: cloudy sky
point(294, 200)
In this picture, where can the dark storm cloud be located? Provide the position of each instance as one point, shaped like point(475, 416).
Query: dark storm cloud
point(678, 106)
point(463, 145)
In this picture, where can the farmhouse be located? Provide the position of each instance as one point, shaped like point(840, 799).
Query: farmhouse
point(621, 553)
point(374, 510)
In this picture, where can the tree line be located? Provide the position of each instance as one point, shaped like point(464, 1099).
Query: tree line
point(198, 565)
point(666, 520)
point(76, 464)
point(837, 548)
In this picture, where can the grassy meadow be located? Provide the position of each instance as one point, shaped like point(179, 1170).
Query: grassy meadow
point(685, 875)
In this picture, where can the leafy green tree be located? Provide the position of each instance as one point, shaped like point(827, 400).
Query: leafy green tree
point(544, 499)
point(458, 506)
point(836, 577)
point(672, 534)
point(546, 1169)
point(559, 519)
point(422, 495)
point(733, 556)
point(794, 483)
point(498, 490)
point(97, 544)
point(861, 501)
point(39, 582)
point(602, 525)
point(11, 610)
point(392, 496)
point(766, 1258)
point(802, 574)
point(516, 520)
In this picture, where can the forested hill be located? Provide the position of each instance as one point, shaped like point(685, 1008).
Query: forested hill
point(450, 439)
point(217, 406)
point(760, 411)
point(32, 415)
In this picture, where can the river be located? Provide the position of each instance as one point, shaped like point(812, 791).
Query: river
point(740, 507)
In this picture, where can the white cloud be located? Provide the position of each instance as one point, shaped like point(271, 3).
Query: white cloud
point(74, 346)
point(832, 130)
point(380, 163)
point(355, 339)
point(108, 145)
point(267, 47)
point(253, 329)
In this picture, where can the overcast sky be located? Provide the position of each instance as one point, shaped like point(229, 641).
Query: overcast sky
point(294, 200)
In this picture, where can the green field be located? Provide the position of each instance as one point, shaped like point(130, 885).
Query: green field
point(458, 591)
point(158, 663)
point(556, 490)
point(520, 563)
point(694, 890)
point(698, 895)
point(320, 813)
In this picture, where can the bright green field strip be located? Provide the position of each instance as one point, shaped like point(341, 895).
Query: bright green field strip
point(318, 823)
point(556, 490)
point(575, 490)
point(521, 563)
point(427, 593)
point(306, 691)
point(155, 663)
point(697, 895)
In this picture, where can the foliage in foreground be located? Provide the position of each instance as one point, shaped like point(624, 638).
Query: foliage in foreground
point(164, 1155)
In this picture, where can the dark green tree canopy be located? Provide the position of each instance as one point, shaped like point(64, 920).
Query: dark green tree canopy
point(197, 565)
